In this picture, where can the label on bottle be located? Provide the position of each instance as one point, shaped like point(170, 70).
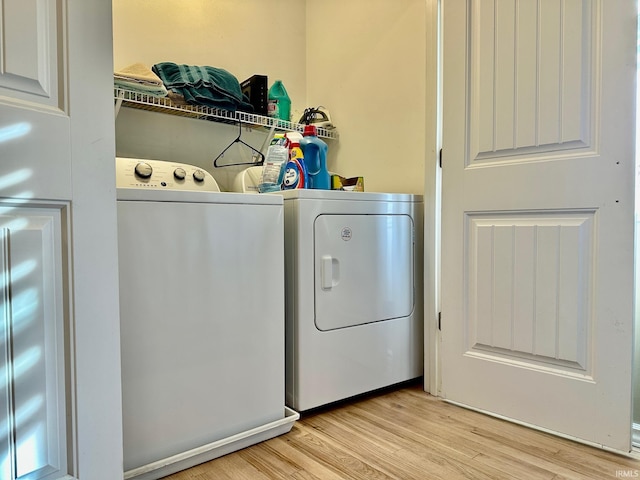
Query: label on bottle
point(294, 176)
point(291, 177)
point(274, 164)
point(272, 108)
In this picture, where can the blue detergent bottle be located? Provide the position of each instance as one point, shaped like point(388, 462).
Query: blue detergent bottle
point(315, 159)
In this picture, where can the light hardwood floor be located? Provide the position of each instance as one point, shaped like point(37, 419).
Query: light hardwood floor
point(407, 434)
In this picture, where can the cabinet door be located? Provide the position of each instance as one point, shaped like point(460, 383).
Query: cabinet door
point(33, 424)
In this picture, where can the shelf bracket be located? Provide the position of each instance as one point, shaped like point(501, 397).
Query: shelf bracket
point(119, 99)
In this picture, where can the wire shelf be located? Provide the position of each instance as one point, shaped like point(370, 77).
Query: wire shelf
point(143, 101)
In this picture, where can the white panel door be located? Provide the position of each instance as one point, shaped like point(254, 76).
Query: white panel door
point(60, 402)
point(538, 198)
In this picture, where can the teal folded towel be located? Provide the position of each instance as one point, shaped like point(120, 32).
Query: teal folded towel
point(209, 86)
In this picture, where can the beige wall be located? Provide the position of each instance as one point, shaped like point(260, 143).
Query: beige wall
point(241, 36)
point(364, 60)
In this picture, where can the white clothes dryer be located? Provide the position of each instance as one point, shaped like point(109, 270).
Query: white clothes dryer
point(201, 315)
point(354, 290)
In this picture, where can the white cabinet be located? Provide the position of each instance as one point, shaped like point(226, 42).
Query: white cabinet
point(34, 333)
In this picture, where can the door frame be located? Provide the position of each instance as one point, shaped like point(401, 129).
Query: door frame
point(432, 199)
point(94, 299)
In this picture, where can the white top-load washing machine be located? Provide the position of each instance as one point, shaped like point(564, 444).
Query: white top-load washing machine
point(354, 315)
point(202, 317)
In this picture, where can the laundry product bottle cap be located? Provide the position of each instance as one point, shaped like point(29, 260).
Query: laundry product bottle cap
point(310, 130)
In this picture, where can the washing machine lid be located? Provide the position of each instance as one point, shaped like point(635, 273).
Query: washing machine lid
point(364, 269)
point(136, 194)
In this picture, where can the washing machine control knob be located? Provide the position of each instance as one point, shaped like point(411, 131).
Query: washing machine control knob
point(198, 175)
point(143, 170)
point(179, 173)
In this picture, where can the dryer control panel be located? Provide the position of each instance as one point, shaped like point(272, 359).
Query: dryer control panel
point(162, 175)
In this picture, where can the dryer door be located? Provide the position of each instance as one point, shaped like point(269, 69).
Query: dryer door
point(364, 269)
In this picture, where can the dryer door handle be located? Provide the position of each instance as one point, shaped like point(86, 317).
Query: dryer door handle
point(330, 272)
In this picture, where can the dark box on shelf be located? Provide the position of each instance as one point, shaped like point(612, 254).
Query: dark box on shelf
point(255, 88)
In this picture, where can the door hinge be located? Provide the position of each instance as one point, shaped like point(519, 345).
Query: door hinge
point(440, 321)
point(440, 158)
